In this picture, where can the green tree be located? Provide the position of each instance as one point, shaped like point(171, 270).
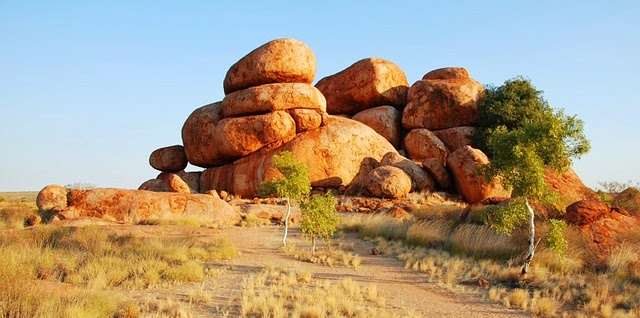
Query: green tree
point(523, 136)
point(319, 218)
point(294, 184)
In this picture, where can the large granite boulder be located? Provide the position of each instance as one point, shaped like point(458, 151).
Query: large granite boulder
point(385, 120)
point(272, 97)
point(438, 171)
point(199, 136)
point(277, 61)
point(465, 164)
point(440, 103)
point(241, 136)
point(388, 182)
point(366, 84)
point(169, 159)
point(334, 154)
point(52, 198)
point(455, 137)
point(422, 144)
point(133, 206)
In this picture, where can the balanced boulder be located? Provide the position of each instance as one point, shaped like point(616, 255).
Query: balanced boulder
point(388, 182)
point(385, 120)
point(439, 103)
point(334, 154)
point(199, 136)
point(277, 61)
point(241, 136)
point(420, 179)
point(273, 97)
point(465, 165)
point(169, 159)
point(366, 84)
point(423, 144)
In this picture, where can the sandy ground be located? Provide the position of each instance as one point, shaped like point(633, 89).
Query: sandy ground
point(260, 247)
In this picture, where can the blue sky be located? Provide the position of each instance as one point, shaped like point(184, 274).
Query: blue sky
point(89, 89)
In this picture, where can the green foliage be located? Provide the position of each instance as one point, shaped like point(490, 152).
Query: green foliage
point(523, 136)
point(319, 217)
point(556, 240)
point(505, 218)
point(295, 183)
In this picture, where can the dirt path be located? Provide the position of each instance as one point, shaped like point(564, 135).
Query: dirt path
point(402, 288)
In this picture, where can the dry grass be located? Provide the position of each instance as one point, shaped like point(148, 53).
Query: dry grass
point(79, 269)
point(329, 257)
point(450, 253)
point(13, 214)
point(285, 293)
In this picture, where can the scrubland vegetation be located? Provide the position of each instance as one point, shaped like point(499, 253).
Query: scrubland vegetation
point(459, 255)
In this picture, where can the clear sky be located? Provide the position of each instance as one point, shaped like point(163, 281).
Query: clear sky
point(88, 89)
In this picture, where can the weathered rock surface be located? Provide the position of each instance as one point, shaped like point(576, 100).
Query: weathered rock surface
point(132, 206)
point(438, 172)
point(272, 213)
point(367, 83)
point(604, 227)
point(385, 120)
point(241, 136)
point(422, 144)
point(420, 179)
point(199, 136)
point(334, 154)
point(357, 185)
point(388, 182)
point(464, 164)
point(52, 197)
point(155, 185)
point(456, 137)
point(569, 186)
point(272, 97)
point(440, 103)
point(169, 159)
point(307, 119)
point(277, 61)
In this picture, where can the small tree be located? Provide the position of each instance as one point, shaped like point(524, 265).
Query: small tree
point(319, 218)
point(294, 184)
point(523, 136)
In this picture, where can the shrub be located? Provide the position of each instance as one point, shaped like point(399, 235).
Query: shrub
point(556, 239)
point(319, 218)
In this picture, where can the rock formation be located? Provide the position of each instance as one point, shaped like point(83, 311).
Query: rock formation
point(385, 120)
point(465, 166)
point(169, 159)
point(388, 182)
point(422, 144)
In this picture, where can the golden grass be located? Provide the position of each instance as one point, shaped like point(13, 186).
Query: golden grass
point(13, 214)
point(328, 257)
point(286, 293)
point(449, 252)
point(80, 268)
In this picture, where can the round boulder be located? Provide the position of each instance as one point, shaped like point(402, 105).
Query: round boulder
point(447, 73)
point(169, 159)
point(367, 83)
point(388, 182)
point(442, 103)
point(277, 61)
point(385, 120)
point(423, 144)
point(272, 97)
point(465, 164)
point(420, 179)
point(586, 212)
point(199, 139)
point(455, 137)
point(52, 198)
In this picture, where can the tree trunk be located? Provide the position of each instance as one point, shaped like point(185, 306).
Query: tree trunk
point(313, 245)
point(532, 237)
point(286, 223)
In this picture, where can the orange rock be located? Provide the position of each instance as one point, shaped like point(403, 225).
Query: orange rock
point(272, 97)
point(568, 186)
point(132, 206)
point(307, 119)
point(199, 137)
point(586, 212)
point(385, 120)
point(447, 73)
point(456, 137)
point(277, 61)
point(422, 144)
point(465, 164)
point(155, 185)
point(442, 103)
point(397, 212)
point(169, 159)
point(333, 153)
point(191, 178)
point(388, 182)
point(52, 197)
point(438, 172)
point(241, 136)
point(420, 179)
point(367, 83)
point(33, 220)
